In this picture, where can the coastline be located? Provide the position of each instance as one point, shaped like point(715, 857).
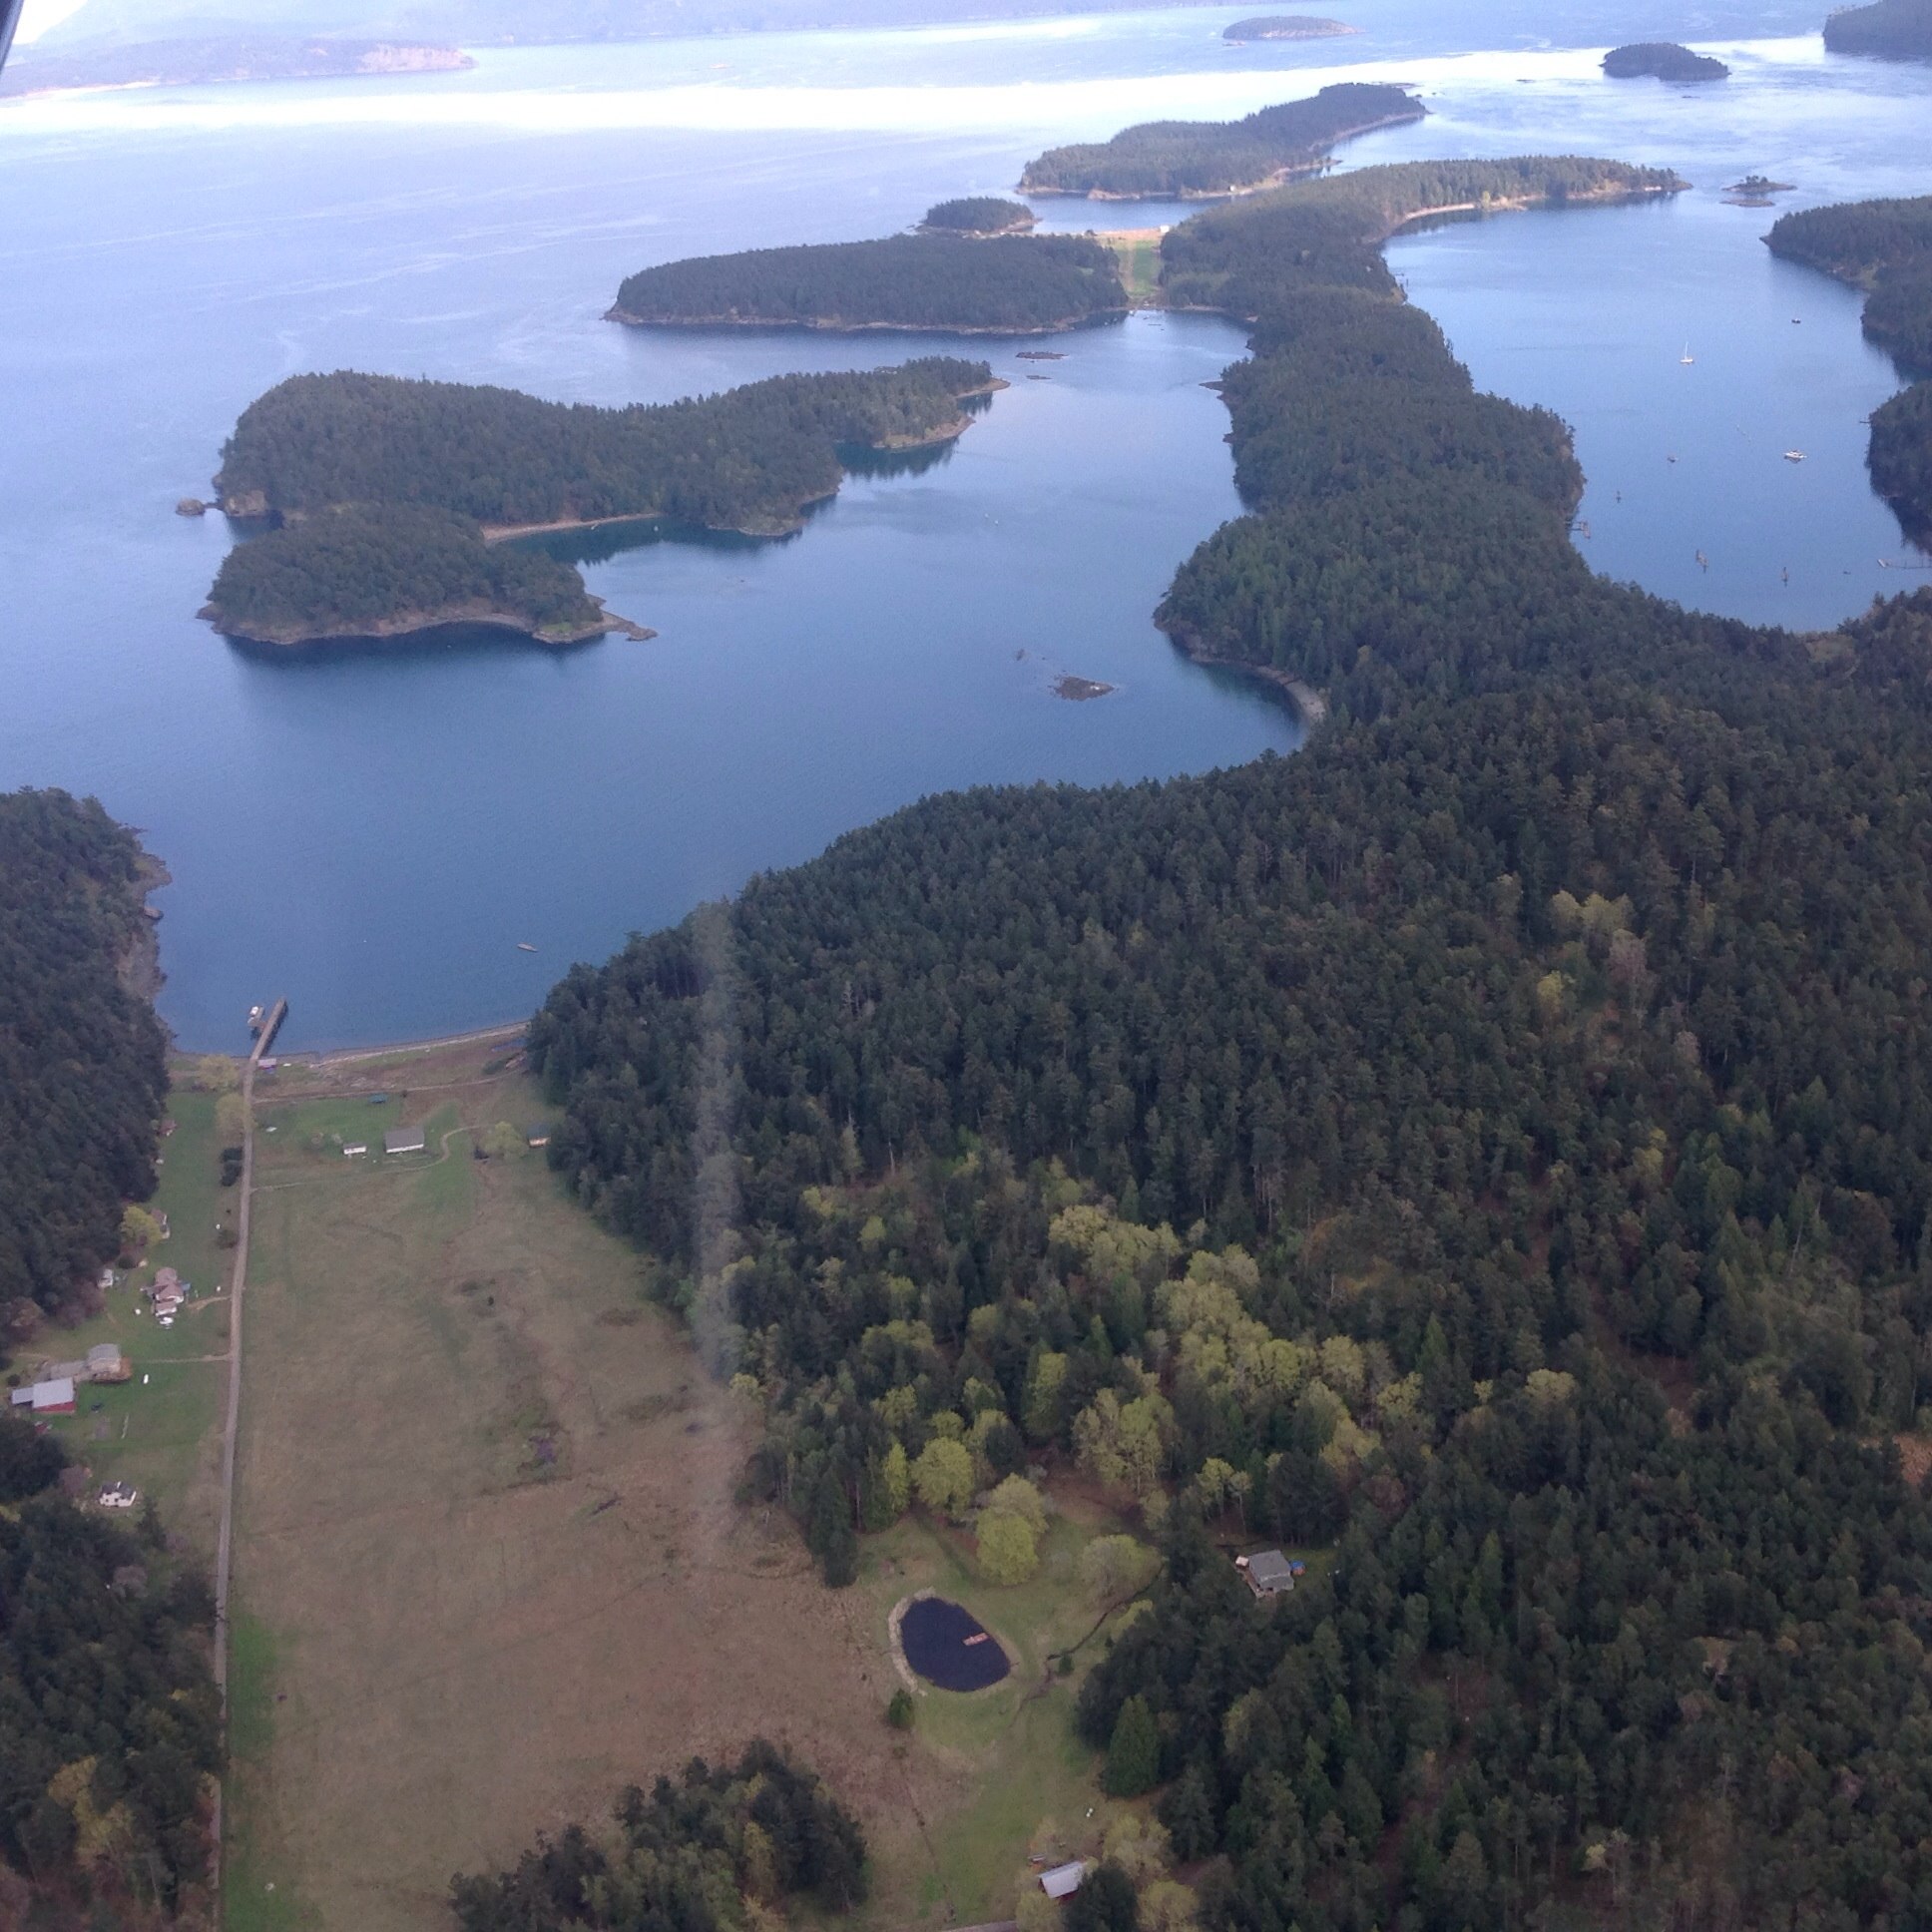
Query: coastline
point(833, 326)
point(1281, 178)
point(416, 624)
point(1309, 704)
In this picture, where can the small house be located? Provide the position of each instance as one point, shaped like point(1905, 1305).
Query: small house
point(54, 1398)
point(119, 1496)
point(106, 1363)
point(1267, 1572)
point(539, 1137)
point(405, 1140)
point(1063, 1881)
point(107, 1279)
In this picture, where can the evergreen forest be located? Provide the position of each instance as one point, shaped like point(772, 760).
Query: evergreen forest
point(979, 215)
point(1204, 157)
point(380, 569)
point(110, 1724)
point(1892, 29)
point(1662, 60)
point(1884, 248)
point(83, 1071)
point(1489, 1152)
point(1003, 284)
point(686, 1856)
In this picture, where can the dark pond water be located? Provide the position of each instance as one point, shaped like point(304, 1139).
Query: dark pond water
point(939, 1640)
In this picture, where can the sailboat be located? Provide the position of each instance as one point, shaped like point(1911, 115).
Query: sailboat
point(1686, 358)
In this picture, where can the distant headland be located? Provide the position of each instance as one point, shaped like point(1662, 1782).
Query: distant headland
point(1662, 60)
point(1286, 26)
point(1890, 29)
point(198, 63)
point(1213, 159)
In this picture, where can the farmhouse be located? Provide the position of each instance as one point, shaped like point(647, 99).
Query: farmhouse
point(1267, 1572)
point(119, 1496)
point(1063, 1881)
point(404, 1140)
point(104, 1363)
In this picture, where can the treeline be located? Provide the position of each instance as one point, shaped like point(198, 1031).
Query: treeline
point(110, 1724)
point(1002, 284)
point(980, 215)
point(1220, 157)
point(1884, 248)
point(83, 1072)
point(1662, 60)
point(748, 459)
point(381, 570)
point(1495, 1142)
point(712, 1851)
point(1894, 29)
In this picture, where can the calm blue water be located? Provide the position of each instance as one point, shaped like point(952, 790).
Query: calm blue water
point(373, 835)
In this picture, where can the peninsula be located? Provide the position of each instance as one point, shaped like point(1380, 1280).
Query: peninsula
point(1891, 30)
point(940, 283)
point(198, 62)
point(390, 497)
point(1212, 160)
point(1662, 60)
point(1286, 26)
point(979, 215)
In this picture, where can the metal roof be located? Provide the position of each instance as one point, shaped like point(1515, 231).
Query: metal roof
point(1270, 1570)
point(1063, 1881)
point(404, 1140)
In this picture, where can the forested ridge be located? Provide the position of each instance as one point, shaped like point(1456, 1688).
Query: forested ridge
point(1196, 158)
point(686, 1856)
point(83, 1072)
point(1897, 29)
point(1884, 248)
point(1494, 1144)
point(110, 1724)
point(1008, 284)
point(384, 489)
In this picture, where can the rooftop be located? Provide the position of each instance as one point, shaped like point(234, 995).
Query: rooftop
point(404, 1140)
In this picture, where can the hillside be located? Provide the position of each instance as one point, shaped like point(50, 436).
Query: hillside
point(1890, 29)
point(943, 284)
point(1201, 159)
point(1489, 1152)
point(82, 1070)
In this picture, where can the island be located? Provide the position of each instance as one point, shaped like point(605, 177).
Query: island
point(195, 63)
point(1885, 249)
point(979, 215)
point(389, 499)
point(1890, 29)
point(1286, 26)
point(954, 284)
point(1662, 60)
point(1210, 159)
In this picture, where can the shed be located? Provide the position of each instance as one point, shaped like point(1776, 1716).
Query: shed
point(1063, 1881)
point(106, 1363)
point(54, 1398)
point(359, 1147)
point(404, 1140)
point(20, 1398)
point(1267, 1572)
point(539, 1136)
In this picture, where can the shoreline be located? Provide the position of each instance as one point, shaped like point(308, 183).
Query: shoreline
point(1309, 705)
point(832, 325)
point(420, 623)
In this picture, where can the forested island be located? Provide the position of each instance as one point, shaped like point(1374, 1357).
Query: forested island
point(388, 492)
point(1489, 1152)
point(950, 284)
point(1286, 26)
point(190, 63)
point(1891, 29)
point(1196, 160)
point(979, 215)
point(1885, 249)
point(1662, 60)
point(83, 1071)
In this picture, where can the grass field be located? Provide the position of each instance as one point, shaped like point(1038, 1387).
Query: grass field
point(161, 1430)
point(1139, 250)
point(489, 1569)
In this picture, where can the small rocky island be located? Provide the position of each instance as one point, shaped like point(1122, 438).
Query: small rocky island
point(1662, 60)
point(979, 215)
point(1286, 26)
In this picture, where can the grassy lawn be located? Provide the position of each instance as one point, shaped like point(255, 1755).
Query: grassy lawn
point(160, 1431)
point(490, 1566)
point(1139, 250)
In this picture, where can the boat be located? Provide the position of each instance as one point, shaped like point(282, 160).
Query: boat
point(1794, 456)
point(523, 946)
point(1686, 358)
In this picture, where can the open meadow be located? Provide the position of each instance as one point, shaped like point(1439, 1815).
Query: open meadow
point(489, 1567)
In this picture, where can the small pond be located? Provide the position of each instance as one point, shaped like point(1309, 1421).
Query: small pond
point(947, 1646)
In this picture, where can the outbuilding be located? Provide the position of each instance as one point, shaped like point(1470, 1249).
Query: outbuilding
point(539, 1137)
point(55, 1397)
point(1063, 1881)
point(1267, 1572)
point(405, 1140)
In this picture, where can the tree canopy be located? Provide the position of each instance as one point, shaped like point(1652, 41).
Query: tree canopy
point(980, 215)
point(83, 1071)
point(1217, 157)
point(1894, 29)
point(1662, 60)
